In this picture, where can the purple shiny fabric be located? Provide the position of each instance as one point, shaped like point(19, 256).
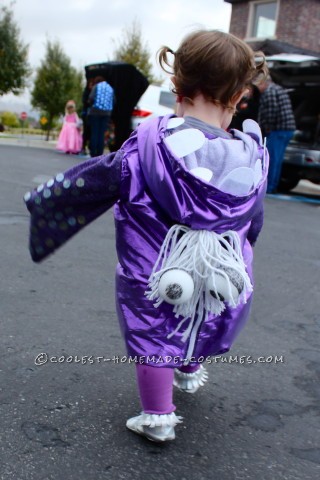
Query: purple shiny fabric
point(70, 201)
point(159, 193)
point(152, 190)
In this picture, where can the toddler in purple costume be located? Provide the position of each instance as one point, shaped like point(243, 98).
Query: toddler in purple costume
point(188, 206)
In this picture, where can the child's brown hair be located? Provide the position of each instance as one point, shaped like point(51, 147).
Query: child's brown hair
point(216, 64)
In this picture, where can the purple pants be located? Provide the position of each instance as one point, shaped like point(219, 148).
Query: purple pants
point(156, 387)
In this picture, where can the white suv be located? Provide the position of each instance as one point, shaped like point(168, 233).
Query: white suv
point(156, 101)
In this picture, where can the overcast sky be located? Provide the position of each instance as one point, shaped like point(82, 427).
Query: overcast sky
point(89, 30)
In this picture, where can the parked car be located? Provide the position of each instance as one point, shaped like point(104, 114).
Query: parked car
point(300, 75)
point(156, 101)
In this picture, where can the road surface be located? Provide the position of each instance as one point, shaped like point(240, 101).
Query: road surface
point(257, 417)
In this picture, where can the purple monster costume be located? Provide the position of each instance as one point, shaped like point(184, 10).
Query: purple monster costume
point(151, 190)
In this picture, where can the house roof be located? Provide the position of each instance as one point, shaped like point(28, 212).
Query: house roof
point(272, 47)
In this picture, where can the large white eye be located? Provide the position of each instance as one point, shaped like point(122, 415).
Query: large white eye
point(225, 289)
point(176, 286)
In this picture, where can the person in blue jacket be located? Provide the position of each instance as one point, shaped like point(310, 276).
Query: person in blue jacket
point(101, 99)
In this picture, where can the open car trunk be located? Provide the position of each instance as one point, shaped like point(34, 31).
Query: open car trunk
point(300, 75)
point(128, 84)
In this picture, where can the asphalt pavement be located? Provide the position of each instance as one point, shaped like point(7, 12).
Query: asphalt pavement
point(256, 418)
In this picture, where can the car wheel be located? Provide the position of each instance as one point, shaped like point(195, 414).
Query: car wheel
point(288, 183)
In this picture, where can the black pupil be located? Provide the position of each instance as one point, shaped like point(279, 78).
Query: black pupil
point(174, 291)
point(220, 297)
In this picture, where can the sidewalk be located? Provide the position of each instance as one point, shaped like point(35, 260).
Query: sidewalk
point(27, 141)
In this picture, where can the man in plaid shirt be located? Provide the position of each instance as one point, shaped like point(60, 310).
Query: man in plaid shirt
point(277, 123)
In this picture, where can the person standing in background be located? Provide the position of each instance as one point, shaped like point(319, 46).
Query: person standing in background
point(277, 122)
point(70, 140)
point(101, 99)
point(84, 115)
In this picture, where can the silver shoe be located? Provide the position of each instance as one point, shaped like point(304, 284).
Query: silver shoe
point(157, 428)
point(190, 382)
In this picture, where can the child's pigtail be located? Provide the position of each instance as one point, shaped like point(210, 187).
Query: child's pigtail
point(163, 59)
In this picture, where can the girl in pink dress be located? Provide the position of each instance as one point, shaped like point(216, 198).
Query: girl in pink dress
point(70, 139)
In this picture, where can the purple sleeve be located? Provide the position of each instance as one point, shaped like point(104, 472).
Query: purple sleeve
point(70, 201)
point(255, 227)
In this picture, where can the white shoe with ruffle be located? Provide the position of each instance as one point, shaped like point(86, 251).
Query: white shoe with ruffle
point(190, 382)
point(157, 428)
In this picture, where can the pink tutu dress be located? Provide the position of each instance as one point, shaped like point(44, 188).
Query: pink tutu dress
point(70, 139)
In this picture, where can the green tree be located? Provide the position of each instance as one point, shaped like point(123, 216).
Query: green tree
point(10, 119)
point(78, 86)
point(14, 67)
point(56, 82)
point(131, 49)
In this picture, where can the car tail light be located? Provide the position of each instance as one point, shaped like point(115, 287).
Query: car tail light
point(309, 160)
point(140, 113)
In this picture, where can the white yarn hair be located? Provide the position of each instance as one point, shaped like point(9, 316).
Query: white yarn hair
point(202, 254)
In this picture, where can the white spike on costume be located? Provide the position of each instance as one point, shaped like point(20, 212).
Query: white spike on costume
point(257, 172)
point(264, 152)
point(184, 142)
point(174, 122)
point(238, 182)
point(202, 173)
point(205, 256)
point(252, 128)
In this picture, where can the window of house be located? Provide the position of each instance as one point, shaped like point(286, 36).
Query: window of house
point(264, 16)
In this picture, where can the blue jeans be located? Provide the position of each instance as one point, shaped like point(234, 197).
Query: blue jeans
point(277, 142)
point(98, 125)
